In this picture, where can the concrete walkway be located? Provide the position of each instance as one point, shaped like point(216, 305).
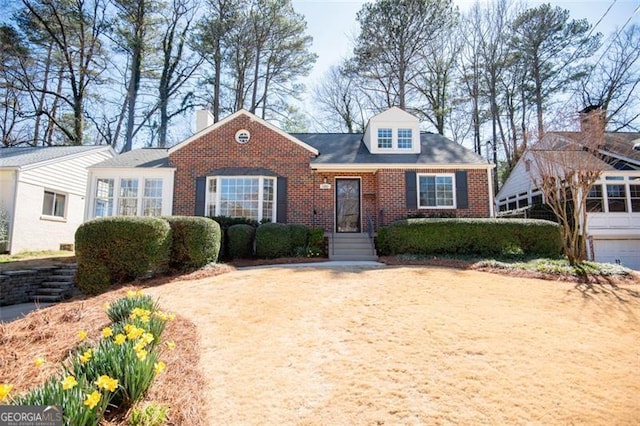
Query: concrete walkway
point(13, 312)
point(328, 264)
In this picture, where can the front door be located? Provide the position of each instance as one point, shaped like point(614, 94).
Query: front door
point(347, 205)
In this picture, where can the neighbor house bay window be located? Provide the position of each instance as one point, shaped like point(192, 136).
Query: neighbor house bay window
point(251, 197)
point(436, 191)
point(128, 197)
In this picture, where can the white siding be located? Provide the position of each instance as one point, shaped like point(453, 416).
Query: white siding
point(518, 181)
point(33, 231)
point(66, 175)
point(393, 118)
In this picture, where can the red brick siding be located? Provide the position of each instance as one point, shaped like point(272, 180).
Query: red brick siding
point(266, 149)
point(383, 192)
point(391, 195)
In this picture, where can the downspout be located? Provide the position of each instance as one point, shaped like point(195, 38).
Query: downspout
point(491, 194)
point(87, 195)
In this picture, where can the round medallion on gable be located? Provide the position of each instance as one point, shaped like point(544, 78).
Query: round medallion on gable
point(243, 136)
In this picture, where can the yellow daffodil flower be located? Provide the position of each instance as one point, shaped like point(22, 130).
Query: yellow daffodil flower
point(147, 338)
point(5, 389)
point(119, 339)
point(106, 382)
point(141, 354)
point(106, 306)
point(107, 332)
point(39, 361)
point(69, 383)
point(85, 357)
point(159, 367)
point(132, 294)
point(92, 399)
point(82, 335)
point(171, 345)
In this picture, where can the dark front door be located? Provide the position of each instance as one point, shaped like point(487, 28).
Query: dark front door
point(347, 205)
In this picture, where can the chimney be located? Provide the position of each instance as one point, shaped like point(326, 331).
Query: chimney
point(592, 124)
point(204, 119)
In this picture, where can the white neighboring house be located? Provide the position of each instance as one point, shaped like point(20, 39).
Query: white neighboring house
point(42, 191)
point(135, 183)
point(613, 217)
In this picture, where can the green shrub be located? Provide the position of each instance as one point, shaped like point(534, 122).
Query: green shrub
point(225, 223)
point(124, 248)
point(240, 240)
point(316, 240)
point(273, 240)
point(505, 237)
point(299, 235)
point(196, 241)
point(152, 414)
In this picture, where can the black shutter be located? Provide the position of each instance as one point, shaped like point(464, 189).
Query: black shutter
point(281, 202)
point(201, 188)
point(462, 196)
point(411, 192)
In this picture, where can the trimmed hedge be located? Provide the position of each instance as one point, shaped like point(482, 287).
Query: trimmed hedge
point(299, 235)
point(225, 223)
point(316, 239)
point(196, 241)
point(118, 249)
point(240, 239)
point(471, 236)
point(273, 240)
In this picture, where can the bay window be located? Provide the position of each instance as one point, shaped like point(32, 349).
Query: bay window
point(128, 197)
point(251, 197)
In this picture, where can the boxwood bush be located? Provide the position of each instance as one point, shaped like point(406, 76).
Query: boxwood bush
point(299, 236)
point(225, 223)
point(196, 241)
point(240, 240)
point(510, 237)
point(316, 240)
point(117, 249)
point(273, 240)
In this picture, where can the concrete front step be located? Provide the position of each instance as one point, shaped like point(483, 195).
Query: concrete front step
point(351, 247)
point(338, 257)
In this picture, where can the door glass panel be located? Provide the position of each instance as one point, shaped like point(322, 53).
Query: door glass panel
point(348, 205)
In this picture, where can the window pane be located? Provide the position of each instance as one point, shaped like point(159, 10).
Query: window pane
point(635, 197)
point(444, 191)
point(58, 207)
point(617, 199)
point(47, 204)
point(384, 138)
point(404, 138)
point(427, 191)
point(594, 199)
point(128, 202)
point(152, 200)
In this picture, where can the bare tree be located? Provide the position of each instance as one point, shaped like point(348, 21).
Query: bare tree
point(615, 82)
point(565, 170)
point(340, 101)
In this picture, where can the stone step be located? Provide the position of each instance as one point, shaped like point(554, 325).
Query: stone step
point(63, 284)
point(352, 257)
point(44, 291)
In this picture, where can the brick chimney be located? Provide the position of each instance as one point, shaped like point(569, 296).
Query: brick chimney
point(592, 124)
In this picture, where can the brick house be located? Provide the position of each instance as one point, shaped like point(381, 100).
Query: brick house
point(349, 184)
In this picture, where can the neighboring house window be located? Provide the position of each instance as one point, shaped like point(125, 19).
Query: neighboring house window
point(594, 199)
point(616, 198)
point(152, 197)
point(436, 191)
point(405, 138)
point(385, 139)
point(128, 199)
point(536, 199)
point(634, 192)
point(252, 197)
point(53, 204)
point(104, 197)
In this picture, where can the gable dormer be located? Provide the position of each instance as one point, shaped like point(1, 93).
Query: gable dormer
point(393, 131)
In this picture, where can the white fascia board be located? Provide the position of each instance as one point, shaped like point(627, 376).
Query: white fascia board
point(68, 157)
point(374, 166)
point(619, 157)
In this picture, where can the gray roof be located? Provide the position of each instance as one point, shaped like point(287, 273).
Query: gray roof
point(617, 143)
point(335, 148)
point(25, 156)
point(349, 148)
point(143, 158)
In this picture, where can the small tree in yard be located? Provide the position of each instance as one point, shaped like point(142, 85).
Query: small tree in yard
point(565, 170)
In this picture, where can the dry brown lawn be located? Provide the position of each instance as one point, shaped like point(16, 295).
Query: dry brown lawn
point(411, 345)
point(381, 345)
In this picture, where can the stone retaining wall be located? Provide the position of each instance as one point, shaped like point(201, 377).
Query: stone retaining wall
point(19, 286)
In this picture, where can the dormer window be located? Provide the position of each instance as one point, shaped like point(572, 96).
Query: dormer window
point(405, 138)
point(385, 138)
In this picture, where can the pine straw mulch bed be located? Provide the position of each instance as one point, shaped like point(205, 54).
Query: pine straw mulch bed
point(52, 332)
point(632, 278)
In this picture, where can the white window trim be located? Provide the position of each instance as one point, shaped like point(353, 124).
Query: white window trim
point(453, 191)
point(274, 217)
point(117, 180)
point(52, 217)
